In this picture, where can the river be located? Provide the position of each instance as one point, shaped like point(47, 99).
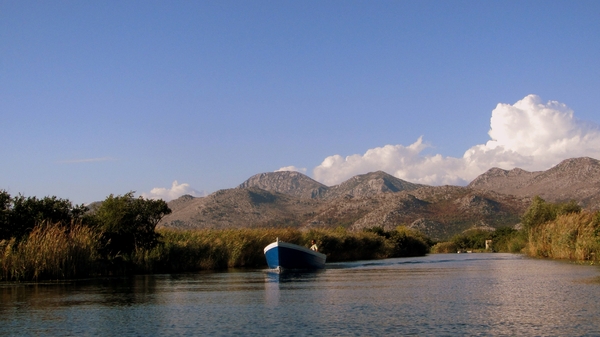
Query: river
point(435, 295)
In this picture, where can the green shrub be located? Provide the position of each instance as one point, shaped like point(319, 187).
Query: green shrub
point(19, 215)
point(471, 239)
point(444, 247)
point(403, 241)
point(508, 240)
point(540, 212)
point(127, 223)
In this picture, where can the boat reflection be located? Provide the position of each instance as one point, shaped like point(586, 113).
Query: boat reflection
point(292, 275)
point(275, 281)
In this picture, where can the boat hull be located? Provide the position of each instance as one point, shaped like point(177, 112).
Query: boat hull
point(283, 255)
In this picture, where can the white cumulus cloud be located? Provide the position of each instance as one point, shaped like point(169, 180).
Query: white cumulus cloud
point(529, 134)
point(292, 168)
point(174, 192)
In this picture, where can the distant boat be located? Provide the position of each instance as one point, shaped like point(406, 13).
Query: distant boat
point(282, 255)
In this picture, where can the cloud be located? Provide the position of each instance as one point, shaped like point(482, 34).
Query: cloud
point(528, 134)
point(87, 160)
point(174, 192)
point(292, 168)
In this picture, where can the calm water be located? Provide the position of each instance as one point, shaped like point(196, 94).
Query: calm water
point(447, 294)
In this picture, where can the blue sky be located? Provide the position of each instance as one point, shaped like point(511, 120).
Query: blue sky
point(171, 97)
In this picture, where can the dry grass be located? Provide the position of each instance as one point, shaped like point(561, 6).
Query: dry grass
point(56, 252)
point(50, 252)
point(205, 249)
point(573, 236)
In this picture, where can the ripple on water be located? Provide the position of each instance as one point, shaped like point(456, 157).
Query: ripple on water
point(442, 294)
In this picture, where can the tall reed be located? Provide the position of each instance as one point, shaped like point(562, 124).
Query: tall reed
point(574, 236)
point(50, 252)
point(192, 250)
point(57, 252)
point(205, 249)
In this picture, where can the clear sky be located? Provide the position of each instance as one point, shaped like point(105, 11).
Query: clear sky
point(172, 97)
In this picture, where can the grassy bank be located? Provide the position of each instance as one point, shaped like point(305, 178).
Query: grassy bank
point(549, 230)
point(504, 239)
point(65, 252)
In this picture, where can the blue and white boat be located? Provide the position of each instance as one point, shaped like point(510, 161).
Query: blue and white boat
point(282, 255)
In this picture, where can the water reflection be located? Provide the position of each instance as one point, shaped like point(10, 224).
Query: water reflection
point(455, 294)
point(275, 279)
point(292, 275)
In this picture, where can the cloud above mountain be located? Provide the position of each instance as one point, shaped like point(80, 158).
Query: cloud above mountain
point(292, 168)
point(174, 192)
point(529, 134)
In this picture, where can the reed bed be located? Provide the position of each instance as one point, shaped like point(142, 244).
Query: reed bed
point(574, 236)
point(50, 252)
point(192, 250)
point(65, 252)
point(206, 249)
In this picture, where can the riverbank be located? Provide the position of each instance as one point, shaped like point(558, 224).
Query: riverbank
point(549, 230)
point(55, 252)
point(573, 236)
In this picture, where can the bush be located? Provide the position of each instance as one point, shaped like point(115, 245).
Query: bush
point(127, 223)
point(509, 240)
point(471, 239)
point(403, 241)
point(444, 247)
point(540, 212)
point(19, 215)
point(340, 245)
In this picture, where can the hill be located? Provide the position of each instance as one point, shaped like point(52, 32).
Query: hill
point(238, 208)
point(290, 199)
point(572, 179)
point(370, 184)
point(287, 182)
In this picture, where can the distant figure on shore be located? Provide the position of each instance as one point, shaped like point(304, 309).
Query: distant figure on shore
point(314, 246)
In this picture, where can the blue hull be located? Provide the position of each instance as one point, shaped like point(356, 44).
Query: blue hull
point(283, 255)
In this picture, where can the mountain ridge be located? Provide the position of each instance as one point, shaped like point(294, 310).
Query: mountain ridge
point(494, 199)
point(572, 179)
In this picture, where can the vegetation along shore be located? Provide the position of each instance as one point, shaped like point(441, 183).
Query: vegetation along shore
point(51, 239)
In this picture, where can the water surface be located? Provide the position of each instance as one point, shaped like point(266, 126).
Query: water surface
point(441, 294)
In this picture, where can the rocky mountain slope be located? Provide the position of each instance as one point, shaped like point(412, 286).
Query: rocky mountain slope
point(370, 184)
point(494, 199)
point(299, 185)
point(238, 207)
point(291, 183)
point(572, 179)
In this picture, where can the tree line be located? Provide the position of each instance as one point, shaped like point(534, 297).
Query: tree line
point(50, 238)
point(122, 223)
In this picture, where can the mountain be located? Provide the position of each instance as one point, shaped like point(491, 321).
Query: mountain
point(494, 199)
point(439, 212)
point(370, 184)
point(572, 179)
point(286, 182)
point(299, 185)
point(374, 199)
point(238, 208)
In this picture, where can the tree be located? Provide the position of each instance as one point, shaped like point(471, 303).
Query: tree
point(4, 214)
point(19, 215)
point(127, 223)
point(540, 212)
